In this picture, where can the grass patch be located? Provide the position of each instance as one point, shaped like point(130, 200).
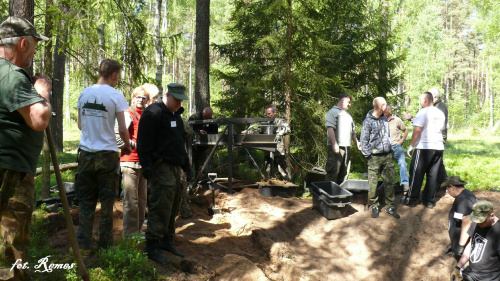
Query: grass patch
point(71, 141)
point(125, 261)
point(474, 158)
point(39, 249)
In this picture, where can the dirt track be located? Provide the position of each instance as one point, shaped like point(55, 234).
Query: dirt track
point(260, 238)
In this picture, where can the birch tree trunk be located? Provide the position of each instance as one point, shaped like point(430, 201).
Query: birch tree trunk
point(47, 62)
point(67, 114)
point(191, 74)
point(58, 86)
point(158, 46)
point(489, 92)
point(288, 79)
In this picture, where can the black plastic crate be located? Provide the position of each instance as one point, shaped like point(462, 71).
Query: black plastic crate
point(285, 191)
point(314, 175)
point(332, 191)
point(327, 208)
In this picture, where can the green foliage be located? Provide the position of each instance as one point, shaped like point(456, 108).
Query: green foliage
point(39, 248)
point(67, 176)
point(125, 262)
point(4, 9)
point(38, 228)
point(100, 275)
point(72, 274)
point(334, 47)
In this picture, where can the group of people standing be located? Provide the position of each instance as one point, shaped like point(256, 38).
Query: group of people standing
point(382, 137)
point(153, 150)
point(153, 142)
point(473, 229)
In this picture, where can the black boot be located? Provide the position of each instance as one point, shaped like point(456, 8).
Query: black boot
point(153, 252)
point(167, 244)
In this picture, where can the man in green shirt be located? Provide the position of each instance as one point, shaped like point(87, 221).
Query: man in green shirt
point(25, 112)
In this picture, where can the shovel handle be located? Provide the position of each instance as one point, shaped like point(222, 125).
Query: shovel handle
point(64, 200)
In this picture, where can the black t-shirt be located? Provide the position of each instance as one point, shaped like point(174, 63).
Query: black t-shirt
point(484, 262)
point(462, 206)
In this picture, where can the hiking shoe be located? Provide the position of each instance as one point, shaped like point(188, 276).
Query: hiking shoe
point(428, 205)
point(392, 211)
point(410, 202)
point(374, 212)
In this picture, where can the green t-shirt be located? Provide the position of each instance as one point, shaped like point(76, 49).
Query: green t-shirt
point(20, 145)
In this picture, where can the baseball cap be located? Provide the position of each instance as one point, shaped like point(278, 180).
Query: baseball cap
point(177, 90)
point(453, 180)
point(480, 211)
point(17, 27)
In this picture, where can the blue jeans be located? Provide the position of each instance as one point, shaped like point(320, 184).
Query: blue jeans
point(399, 154)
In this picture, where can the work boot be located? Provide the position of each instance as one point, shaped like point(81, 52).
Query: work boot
point(410, 202)
point(374, 212)
point(186, 214)
point(167, 244)
point(428, 204)
point(392, 211)
point(153, 252)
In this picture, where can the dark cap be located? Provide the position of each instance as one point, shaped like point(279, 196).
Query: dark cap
point(480, 211)
point(453, 180)
point(177, 90)
point(17, 27)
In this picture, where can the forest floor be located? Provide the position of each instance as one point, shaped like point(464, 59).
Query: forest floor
point(274, 238)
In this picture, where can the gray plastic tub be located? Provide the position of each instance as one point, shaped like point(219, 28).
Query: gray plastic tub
point(327, 208)
point(356, 185)
point(332, 191)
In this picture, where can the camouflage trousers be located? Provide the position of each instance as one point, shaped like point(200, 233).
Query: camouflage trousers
point(280, 165)
point(185, 196)
point(338, 165)
point(381, 165)
point(165, 200)
point(97, 181)
point(16, 207)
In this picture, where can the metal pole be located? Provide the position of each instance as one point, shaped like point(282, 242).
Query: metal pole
point(67, 215)
point(230, 140)
point(257, 166)
point(209, 156)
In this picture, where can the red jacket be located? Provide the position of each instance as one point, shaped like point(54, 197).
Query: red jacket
point(132, 130)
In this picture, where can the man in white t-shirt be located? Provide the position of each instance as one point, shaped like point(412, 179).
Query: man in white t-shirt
point(340, 130)
point(98, 161)
point(427, 139)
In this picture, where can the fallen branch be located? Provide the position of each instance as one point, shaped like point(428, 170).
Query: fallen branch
point(62, 167)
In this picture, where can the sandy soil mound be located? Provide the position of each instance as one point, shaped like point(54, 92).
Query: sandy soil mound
point(274, 238)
